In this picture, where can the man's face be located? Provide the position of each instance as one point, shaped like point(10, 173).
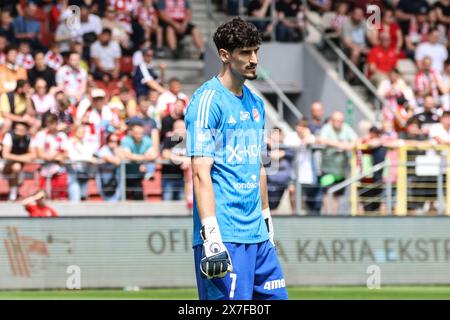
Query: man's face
point(357, 15)
point(445, 120)
point(24, 89)
point(178, 109)
point(148, 56)
point(277, 137)
point(74, 60)
point(175, 87)
point(317, 111)
point(137, 133)
point(434, 37)
point(104, 38)
point(39, 61)
point(98, 103)
point(11, 56)
point(20, 130)
point(243, 62)
point(5, 18)
point(31, 10)
point(2, 43)
point(428, 103)
point(52, 126)
point(337, 120)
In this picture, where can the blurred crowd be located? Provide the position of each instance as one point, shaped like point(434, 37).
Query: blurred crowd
point(80, 93)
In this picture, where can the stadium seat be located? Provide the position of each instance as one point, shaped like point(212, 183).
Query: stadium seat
point(152, 188)
point(126, 64)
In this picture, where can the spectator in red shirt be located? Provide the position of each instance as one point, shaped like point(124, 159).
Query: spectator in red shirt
point(389, 25)
point(381, 59)
point(36, 207)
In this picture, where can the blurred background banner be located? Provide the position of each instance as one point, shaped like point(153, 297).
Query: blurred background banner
point(156, 251)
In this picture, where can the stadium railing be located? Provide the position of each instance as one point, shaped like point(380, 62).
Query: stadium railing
point(411, 182)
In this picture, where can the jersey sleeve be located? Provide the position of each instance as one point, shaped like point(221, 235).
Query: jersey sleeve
point(203, 119)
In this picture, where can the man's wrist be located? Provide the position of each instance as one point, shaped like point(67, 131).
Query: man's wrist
point(266, 213)
point(210, 229)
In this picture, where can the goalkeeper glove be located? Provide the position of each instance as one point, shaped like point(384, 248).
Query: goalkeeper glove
point(268, 220)
point(216, 261)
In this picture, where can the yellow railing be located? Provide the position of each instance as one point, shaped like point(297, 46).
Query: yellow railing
point(401, 184)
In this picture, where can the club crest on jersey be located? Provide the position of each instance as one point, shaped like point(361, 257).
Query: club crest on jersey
point(255, 114)
point(245, 115)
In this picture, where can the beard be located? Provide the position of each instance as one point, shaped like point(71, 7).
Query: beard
point(244, 75)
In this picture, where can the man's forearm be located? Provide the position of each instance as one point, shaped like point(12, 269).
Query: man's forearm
point(203, 188)
point(263, 188)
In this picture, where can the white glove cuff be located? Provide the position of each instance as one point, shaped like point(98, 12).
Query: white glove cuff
point(211, 229)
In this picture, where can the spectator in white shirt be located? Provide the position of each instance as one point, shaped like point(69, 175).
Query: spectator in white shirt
point(166, 100)
point(43, 99)
point(106, 54)
point(440, 132)
point(432, 48)
point(72, 78)
point(80, 168)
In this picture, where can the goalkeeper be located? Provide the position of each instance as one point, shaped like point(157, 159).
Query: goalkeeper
point(235, 256)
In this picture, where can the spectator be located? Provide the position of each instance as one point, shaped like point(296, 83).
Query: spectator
point(175, 18)
point(3, 45)
point(125, 100)
point(152, 110)
point(10, 72)
point(100, 118)
point(338, 139)
point(51, 147)
point(261, 9)
point(317, 112)
point(24, 58)
point(280, 169)
point(167, 99)
point(446, 86)
point(320, 6)
point(27, 28)
point(53, 58)
point(125, 10)
point(442, 8)
point(440, 132)
point(108, 174)
point(90, 28)
point(149, 124)
point(43, 99)
point(106, 55)
point(147, 17)
point(336, 19)
point(17, 152)
point(173, 174)
point(399, 100)
point(41, 70)
point(145, 76)
point(118, 32)
point(391, 27)
point(80, 169)
point(417, 31)
point(306, 172)
point(65, 34)
point(64, 112)
point(139, 150)
point(17, 107)
point(428, 81)
point(434, 23)
point(407, 9)
point(72, 78)
point(427, 115)
point(6, 26)
point(168, 121)
point(381, 59)
point(36, 206)
point(291, 23)
point(432, 48)
point(354, 35)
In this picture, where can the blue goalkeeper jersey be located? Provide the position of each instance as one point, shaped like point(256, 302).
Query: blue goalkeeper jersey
point(230, 130)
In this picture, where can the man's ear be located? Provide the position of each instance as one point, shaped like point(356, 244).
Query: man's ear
point(224, 55)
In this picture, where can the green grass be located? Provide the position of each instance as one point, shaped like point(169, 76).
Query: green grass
point(295, 293)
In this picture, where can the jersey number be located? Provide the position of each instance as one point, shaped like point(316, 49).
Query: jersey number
point(233, 277)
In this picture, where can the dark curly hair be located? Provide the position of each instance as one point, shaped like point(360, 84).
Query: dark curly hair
point(236, 33)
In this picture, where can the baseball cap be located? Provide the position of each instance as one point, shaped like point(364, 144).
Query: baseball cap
point(98, 93)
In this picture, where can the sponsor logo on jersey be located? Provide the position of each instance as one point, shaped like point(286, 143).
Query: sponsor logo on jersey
point(231, 120)
point(255, 114)
point(245, 115)
point(245, 185)
point(241, 152)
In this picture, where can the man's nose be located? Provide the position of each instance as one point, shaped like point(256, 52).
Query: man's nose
point(254, 58)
